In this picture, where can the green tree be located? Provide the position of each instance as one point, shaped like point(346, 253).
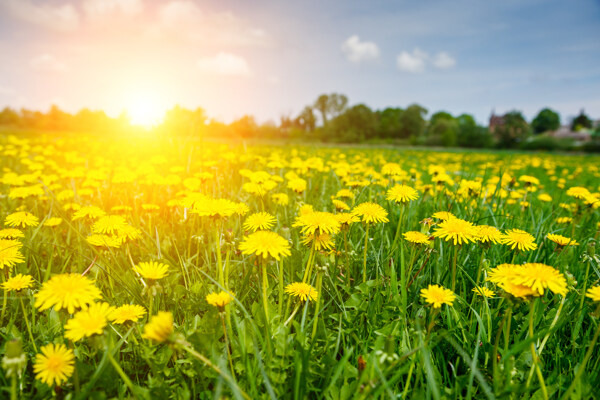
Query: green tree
point(470, 134)
point(412, 121)
point(546, 120)
point(582, 121)
point(443, 129)
point(8, 116)
point(330, 106)
point(513, 130)
point(356, 124)
point(389, 122)
point(306, 120)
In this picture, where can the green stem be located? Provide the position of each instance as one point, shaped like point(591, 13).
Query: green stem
point(27, 323)
point(4, 301)
point(119, 370)
point(265, 284)
point(219, 260)
point(209, 364)
point(227, 345)
point(533, 353)
point(13, 387)
point(307, 270)
point(365, 254)
point(317, 306)
point(454, 258)
point(280, 289)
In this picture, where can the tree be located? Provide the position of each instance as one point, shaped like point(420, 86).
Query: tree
point(306, 120)
point(580, 122)
point(354, 125)
point(513, 130)
point(443, 129)
point(546, 120)
point(470, 134)
point(322, 105)
point(330, 106)
point(8, 116)
point(389, 122)
point(412, 121)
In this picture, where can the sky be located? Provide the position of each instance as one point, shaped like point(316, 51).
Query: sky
point(271, 58)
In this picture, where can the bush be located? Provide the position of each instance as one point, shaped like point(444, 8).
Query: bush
point(546, 143)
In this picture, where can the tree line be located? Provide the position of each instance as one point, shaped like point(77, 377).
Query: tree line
point(330, 118)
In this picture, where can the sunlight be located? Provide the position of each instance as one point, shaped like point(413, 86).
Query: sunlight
point(145, 110)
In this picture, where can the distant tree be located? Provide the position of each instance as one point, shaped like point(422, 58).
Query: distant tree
point(245, 127)
point(322, 106)
point(470, 134)
point(412, 121)
point(546, 120)
point(356, 124)
point(389, 122)
point(306, 120)
point(330, 106)
point(8, 116)
point(443, 129)
point(582, 121)
point(513, 130)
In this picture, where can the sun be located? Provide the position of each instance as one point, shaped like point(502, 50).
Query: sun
point(145, 110)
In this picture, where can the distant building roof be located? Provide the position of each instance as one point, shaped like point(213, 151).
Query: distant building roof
point(565, 132)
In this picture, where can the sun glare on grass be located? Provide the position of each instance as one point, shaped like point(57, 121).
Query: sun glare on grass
point(145, 110)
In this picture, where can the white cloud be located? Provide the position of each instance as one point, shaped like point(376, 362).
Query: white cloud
point(99, 8)
point(444, 60)
point(47, 62)
point(357, 51)
point(224, 64)
point(412, 62)
point(180, 14)
point(63, 17)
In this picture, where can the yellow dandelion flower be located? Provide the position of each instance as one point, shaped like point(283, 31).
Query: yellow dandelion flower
point(483, 291)
point(10, 253)
point(437, 295)
point(488, 234)
point(457, 231)
point(88, 322)
point(54, 364)
point(371, 213)
point(323, 241)
point(11, 233)
point(402, 194)
point(109, 224)
point(219, 300)
point(265, 243)
point(539, 277)
point(317, 222)
point(160, 328)
point(18, 282)
point(281, 199)
point(302, 290)
point(152, 270)
point(593, 293)
point(443, 215)
point(517, 238)
point(340, 205)
point(91, 212)
point(54, 221)
point(578, 192)
point(260, 221)
point(69, 291)
point(344, 193)
point(562, 240)
point(416, 237)
point(545, 197)
point(127, 312)
point(22, 219)
point(104, 241)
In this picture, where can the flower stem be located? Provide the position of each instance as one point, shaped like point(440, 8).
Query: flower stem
point(27, 323)
point(533, 353)
point(265, 284)
point(365, 254)
point(454, 268)
point(227, 345)
point(317, 306)
point(122, 374)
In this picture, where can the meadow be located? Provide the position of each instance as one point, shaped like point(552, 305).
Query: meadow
point(179, 269)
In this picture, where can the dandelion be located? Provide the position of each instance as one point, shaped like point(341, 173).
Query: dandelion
point(402, 194)
point(69, 291)
point(317, 221)
point(160, 328)
point(21, 219)
point(11, 233)
point(443, 215)
point(483, 291)
point(457, 231)
point(259, 221)
point(109, 224)
point(88, 322)
point(219, 300)
point(437, 295)
point(302, 290)
point(371, 213)
point(281, 199)
point(265, 243)
point(10, 253)
point(416, 237)
point(517, 238)
point(54, 365)
point(152, 270)
point(488, 234)
point(127, 312)
point(18, 282)
point(539, 277)
point(561, 241)
point(340, 205)
point(320, 242)
point(593, 293)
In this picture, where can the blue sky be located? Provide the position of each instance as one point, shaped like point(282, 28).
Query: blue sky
point(270, 58)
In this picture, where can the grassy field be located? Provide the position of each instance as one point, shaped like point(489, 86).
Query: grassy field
point(155, 269)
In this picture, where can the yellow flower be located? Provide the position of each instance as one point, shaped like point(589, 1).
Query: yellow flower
point(302, 290)
point(54, 365)
point(281, 199)
point(578, 192)
point(443, 215)
point(127, 312)
point(109, 224)
point(218, 208)
point(594, 293)
point(18, 282)
point(265, 243)
point(10, 253)
point(219, 300)
point(483, 291)
point(371, 213)
point(488, 234)
point(22, 219)
point(340, 205)
point(152, 270)
point(456, 230)
point(564, 220)
point(11, 233)
point(54, 221)
point(259, 221)
point(416, 237)
point(519, 239)
point(345, 193)
point(298, 185)
point(345, 219)
point(88, 322)
point(545, 197)
point(104, 241)
point(68, 291)
point(317, 222)
point(321, 242)
point(539, 277)
point(561, 240)
point(402, 194)
point(160, 327)
point(437, 295)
